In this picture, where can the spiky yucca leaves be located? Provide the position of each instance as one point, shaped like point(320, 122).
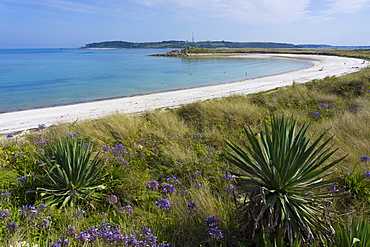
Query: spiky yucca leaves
point(353, 235)
point(73, 176)
point(283, 168)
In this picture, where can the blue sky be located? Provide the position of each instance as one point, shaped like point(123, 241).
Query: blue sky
point(73, 23)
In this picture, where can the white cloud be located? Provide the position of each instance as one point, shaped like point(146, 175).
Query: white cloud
point(346, 6)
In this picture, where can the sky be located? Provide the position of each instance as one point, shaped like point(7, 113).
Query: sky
point(74, 23)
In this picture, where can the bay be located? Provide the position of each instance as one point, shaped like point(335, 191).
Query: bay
point(36, 78)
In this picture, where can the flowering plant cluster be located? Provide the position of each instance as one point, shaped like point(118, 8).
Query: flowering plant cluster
point(108, 234)
point(214, 231)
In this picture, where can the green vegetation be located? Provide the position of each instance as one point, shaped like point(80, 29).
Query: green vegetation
point(358, 53)
point(169, 176)
point(281, 172)
point(184, 44)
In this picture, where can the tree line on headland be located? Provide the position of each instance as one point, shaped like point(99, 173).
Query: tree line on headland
point(201, 44)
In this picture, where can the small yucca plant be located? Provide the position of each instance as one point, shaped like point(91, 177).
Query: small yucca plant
point(72, 175)
point(282, 170)
point(352, 235)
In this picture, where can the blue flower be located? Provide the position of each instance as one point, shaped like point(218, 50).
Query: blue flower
point(229, 176)
point(174, 178)
point(367, 174)
point(21, 180)
point(152, 185)
point(317, 113)
point(9, 136)
point(6, 193)
point(364, 159)
point(70, 134)
point(197, 185)
point(41, 126)
point(211, 221)
point(164, 204)
point(105, 147)
point(168, 188)
point(5, 214)
point(111, 199)
point(184, 192)
point(192, 206)
point(215, 232)
point(128, 210)
point(11, 226)
point(332, 187)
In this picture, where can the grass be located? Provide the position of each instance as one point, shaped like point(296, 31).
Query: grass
point(186, 142)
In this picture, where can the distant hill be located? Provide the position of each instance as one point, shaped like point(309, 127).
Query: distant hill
point(174, 44)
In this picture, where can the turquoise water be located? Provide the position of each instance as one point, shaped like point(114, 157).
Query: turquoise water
point(35, 78)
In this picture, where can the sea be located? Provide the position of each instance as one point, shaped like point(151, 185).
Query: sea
point(37, 78)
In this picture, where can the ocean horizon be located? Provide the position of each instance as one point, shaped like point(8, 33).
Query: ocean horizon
point(38, 78)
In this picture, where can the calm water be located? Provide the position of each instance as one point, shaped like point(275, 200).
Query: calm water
point(37, 78)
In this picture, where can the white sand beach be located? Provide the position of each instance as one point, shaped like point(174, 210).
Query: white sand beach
point(323, 66)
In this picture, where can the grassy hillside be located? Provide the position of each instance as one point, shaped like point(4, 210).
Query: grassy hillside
point(182, 152)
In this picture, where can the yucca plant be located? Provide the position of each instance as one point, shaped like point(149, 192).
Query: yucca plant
point(352, 235)
point(283, 174)
point(72, 174)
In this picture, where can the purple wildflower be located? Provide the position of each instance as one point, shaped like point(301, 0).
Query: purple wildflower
point(18, 154)
point(11, 226)
point(6, 193)
point(70, 134)
point(152, 185)
point(105, 148)
point(44, 223)
point(332, 187)
point(192, 206)
point(111, 199)
point(41, 126)
point(232, 189)
point(41, 143)
point(9, 136)
point(367, 174)
point(229, 176)
point(79, 213)
point(184, 192)
point(164, 204)
point(128, 210)
point(215, 232)
point(364, 159)
point(198, 173)
point(316, 113)
point(168, 188)
point(60, 243)
point(21, 180)
point(71, 231)
point(73, 193)
point(174, 178)
point(197, 185)
point(5, 214)
point(212, 221)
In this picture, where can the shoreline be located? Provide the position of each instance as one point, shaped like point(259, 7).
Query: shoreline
point(323, 66)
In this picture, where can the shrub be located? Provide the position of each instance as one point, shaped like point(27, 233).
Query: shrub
point(282, 170)
point(72, 175)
